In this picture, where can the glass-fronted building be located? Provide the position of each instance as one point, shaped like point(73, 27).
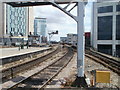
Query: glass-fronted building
point(16, 20)
point(16, 23)
point(40, 26)
point(105, 35)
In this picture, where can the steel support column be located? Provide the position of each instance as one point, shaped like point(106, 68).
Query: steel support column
point(80, 43)
point(80, 31)
point(80, 26)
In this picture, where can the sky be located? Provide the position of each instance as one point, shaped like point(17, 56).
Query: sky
point(57, 20)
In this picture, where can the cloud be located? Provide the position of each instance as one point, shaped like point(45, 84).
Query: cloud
point(57, 20)
point(52, 14)
point(88, 19)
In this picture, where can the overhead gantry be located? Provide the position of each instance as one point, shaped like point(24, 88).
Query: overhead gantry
point(80, 4)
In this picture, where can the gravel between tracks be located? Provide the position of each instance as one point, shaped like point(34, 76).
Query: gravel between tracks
point(91, 65)
point(68, 74)
point(34, 70)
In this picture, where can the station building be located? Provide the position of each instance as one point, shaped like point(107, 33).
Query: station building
point(63, 39)
point(72, 39)
point(105, 34)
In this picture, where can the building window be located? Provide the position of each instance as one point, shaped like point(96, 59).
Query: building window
point(105, 9)
point(118, 27)
point(105, 28)
point(117, 50)
point(118, 8)
point(107, 49)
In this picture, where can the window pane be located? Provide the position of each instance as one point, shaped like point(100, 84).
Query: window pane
point(118, 50)
point(118, 7)
point(118, 27)
point(105, 9)
point(105, 28)
point(107, 49)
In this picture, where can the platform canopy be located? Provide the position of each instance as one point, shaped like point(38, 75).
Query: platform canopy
point(20, 3)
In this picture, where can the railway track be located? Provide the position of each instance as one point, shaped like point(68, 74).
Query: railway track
point(110, 63)
point(11, 72)
point(104, 60)
point(42, 78)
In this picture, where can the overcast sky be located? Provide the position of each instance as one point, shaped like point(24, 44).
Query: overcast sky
point(57, 20)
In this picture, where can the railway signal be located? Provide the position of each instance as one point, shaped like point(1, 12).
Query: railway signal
point(51, 34)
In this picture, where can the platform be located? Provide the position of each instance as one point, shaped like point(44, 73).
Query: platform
point(8, 52)
point(109, 56)
point(14, 53)
point(115, 58)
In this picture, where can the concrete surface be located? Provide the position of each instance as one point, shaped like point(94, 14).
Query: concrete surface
point(7, 52)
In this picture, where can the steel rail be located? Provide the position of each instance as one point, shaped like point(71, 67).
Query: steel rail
point(116, 62)
point(7, 73)
point(105, 61)
point(56, 73)
point(65, 57)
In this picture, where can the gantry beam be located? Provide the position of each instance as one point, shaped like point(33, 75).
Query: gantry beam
point(57, 1)
point(64, 10)
point(23, 3)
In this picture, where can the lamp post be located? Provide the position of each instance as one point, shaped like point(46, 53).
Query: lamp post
point(19, 42)
point(49, 37)
point(10, 38)
point(39, 34)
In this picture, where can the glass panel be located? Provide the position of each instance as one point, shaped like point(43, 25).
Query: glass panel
point(107, 49)
point(105, 9)
point(118, 8)
point(105, 28)
point(118, 27)
point(118, 50)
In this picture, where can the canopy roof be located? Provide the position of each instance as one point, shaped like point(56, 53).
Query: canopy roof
point(20, 3)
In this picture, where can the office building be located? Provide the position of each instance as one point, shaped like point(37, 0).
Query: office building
point(106, 27)
point(30, 20)
point(40, 26)
point(16, 23)
point(2, 20)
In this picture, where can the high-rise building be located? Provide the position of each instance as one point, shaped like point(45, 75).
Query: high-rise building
point(40, 26)
point(15, 22)
point(106, 27)
point(2, 20)
point(30, 20)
